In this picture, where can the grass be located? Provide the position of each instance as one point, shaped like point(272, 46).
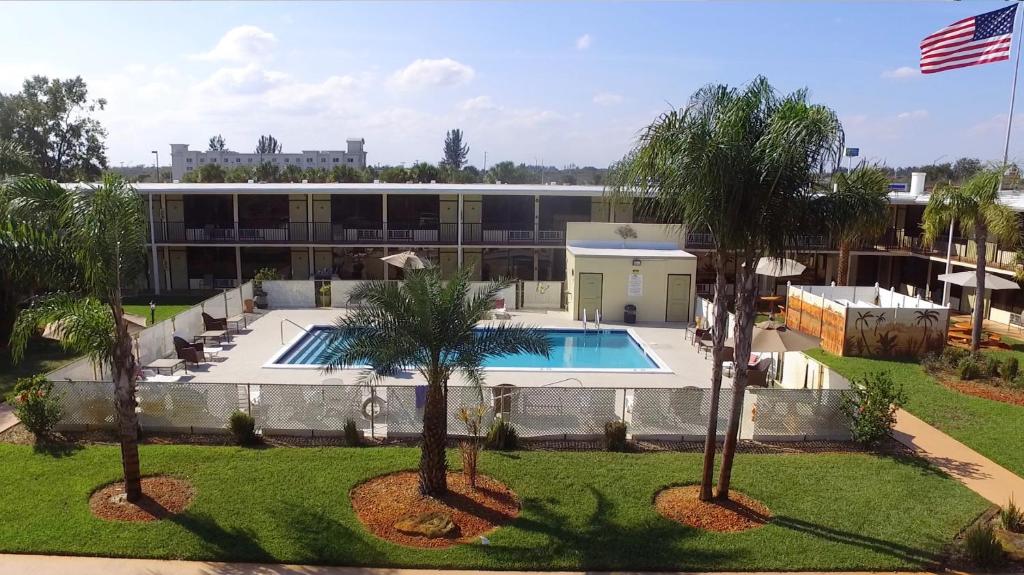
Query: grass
point(991, 428)
point(580, 510)
point(41, 356)
point(167, 306)
point(162, 311)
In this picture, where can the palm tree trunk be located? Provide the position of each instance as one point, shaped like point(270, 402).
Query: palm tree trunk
point(718, 336)
point(433, 467)
point(125, 403)
point(741, 355)
point(843, 268)
point(981, 238)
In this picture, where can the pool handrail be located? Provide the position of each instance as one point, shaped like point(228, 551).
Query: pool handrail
point(293, 323)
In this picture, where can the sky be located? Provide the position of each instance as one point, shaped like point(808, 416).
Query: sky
point(558, 83)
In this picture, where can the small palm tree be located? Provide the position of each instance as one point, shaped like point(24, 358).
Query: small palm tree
point(976, 205)
point(427, 325)
point(855, 210)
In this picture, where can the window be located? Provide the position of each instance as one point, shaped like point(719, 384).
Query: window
point(202, 160)
point(188, 160)
point(335, 160)
point(188, 169)
point(238, 160)
point(250, 160)
point(286, 160)
point(213, 160)
point(275, 160)
point(350, 160)
point(322, 160)
point(309, 160)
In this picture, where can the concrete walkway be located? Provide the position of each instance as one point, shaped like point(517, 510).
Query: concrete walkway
point(56, 565)
point(7, 418)
point(979, 473)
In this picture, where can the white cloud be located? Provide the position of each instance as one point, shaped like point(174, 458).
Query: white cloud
point(426, 73)
point(607, 99)
point(901, 72)
point(912, 115)
point(584, 42)
point(242, 44)
point(477, 104)
point(251, 79)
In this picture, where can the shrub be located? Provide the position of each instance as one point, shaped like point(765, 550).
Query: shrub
point(36, 405)
point(981, 546)
point(502, 436)
point(615, 436)
point(1012, 517)
point(932, 362)
point(951, 356)
point(469, 448)
point(871, 406)
point(992, 366)
point(352, 436)
point(243, 428)
point(1017, 383)
point(1010, 368)
point(968, 369)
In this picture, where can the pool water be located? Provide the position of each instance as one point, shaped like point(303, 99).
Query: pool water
point(570, 349)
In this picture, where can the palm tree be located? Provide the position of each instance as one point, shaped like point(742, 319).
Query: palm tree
point(976, 205)
point(427, 325)
point(855, 210)
point(104, 233)
point(14, 159)
point(738, 164)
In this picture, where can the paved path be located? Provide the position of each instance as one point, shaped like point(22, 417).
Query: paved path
point(7, 419)
point(56, 565)
point(979, 473)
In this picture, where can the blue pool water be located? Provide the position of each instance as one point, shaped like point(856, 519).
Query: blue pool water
point(570, 349)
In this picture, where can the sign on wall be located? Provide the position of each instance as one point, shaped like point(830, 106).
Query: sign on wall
point(635, 285)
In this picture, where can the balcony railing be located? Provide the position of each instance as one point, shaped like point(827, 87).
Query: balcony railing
point(806, 242)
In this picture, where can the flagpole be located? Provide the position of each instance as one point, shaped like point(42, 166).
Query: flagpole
point(1013, 94)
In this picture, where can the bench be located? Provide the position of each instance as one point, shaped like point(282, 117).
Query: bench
point(1016, 322)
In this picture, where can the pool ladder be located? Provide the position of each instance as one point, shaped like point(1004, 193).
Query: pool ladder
point(597, 319)
point(293, 323)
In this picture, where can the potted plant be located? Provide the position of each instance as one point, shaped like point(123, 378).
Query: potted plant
point(262, 275)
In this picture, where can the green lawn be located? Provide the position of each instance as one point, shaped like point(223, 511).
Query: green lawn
point(167, 306)
point(580, 510)
point(991, 428)
point(163, 312)
point(40, 357)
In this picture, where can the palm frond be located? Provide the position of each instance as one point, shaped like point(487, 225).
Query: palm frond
point(82, 324)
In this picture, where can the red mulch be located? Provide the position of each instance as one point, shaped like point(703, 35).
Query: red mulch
point(978, 388)
point(738, 514)
point(162, 497)
point(382, 501)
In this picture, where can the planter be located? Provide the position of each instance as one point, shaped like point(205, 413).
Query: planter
point(260, 298)
point(247, 305)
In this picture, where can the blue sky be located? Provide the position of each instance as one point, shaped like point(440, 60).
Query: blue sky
point(563, 83)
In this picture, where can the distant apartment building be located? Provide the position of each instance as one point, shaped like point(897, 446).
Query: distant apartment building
point(184, 160)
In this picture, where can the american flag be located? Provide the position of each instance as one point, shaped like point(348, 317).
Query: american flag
point(981, 39)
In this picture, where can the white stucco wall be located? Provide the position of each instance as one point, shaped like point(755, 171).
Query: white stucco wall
point(290, 293)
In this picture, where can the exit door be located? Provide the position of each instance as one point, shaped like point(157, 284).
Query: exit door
point(677, 306)
point(589, 294)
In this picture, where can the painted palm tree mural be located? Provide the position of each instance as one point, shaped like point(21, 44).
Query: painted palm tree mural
point(879, 320)
point(864, 322)
point(925, 318)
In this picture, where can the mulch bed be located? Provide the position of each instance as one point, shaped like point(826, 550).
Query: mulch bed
point(162, 497)
point(978, 388)
point(739, 513)
point(382, 501)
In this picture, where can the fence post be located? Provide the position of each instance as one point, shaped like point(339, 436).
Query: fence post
point(248, 399)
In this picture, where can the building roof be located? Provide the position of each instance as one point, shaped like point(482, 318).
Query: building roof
point(377, 188)
point(662, 250)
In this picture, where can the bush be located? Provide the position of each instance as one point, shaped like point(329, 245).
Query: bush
point(951, 356)
point(932, 362)
point(36, 405)
point(243, 428)
point(1010, 368)
point(502, 436)
point(981, 546)
point(1017, 383)
point(352, 436)
point(1012, 517)
point(968, 369)
point(871, 406)
point(615, 436)
point(992, 366)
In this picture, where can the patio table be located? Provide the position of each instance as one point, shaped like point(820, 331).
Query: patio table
point(214, 334)
point(171, 364)
point(236, 321)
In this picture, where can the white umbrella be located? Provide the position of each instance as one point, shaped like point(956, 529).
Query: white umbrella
point(404, 260)
point(970, 279)
point(779, 341)
point(779, 267)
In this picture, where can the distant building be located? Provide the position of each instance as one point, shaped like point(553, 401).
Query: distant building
point(184, 160)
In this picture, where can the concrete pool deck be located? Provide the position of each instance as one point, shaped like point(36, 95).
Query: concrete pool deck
point(242, 361)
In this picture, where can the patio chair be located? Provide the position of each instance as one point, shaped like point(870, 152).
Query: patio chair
point(190, 352)
point(214, 323)
point(499, 311)
point(728, 360)
point(758, 376)
point(699, 334)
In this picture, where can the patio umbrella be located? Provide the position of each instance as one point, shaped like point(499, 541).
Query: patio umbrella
point(970, 279)
point(403, 260)
point(778, 341)
point(779, 267)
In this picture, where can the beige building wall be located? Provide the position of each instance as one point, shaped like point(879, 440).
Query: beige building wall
point(601, 231)
point(616, 271)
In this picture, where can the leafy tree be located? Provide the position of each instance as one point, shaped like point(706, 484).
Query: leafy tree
point(976, 206)
point(210, 174)
point(857, 209)
point(268, 145)
point(291, 173)
point(508, 173)
point(267, 172)
point(455, 152)
point(964, 168)
point(346, 175)
point(470, 175)
point(238, 175)
point(424, 173)
point(105, 231)
point(14, 159)
point(739, 164)
point(316, 175)
point(190, 177)
point(395, 175)
point(217, 144)
point(426, 324)
point(51, 119)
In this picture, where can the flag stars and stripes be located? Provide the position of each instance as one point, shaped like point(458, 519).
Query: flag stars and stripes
point(981, 39)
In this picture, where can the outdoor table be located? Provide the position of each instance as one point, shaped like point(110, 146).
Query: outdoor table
point(966, 325)
point(771, 300)
point(214, 334)
point(236, 321)
point(171, 364)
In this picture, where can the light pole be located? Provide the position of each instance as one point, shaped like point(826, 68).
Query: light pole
point(152, 230)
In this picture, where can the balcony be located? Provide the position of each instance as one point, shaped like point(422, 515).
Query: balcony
point(509, 235)
point(805, 242)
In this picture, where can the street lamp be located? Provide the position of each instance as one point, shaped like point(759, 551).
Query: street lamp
point(152, 233)
point(152, 313)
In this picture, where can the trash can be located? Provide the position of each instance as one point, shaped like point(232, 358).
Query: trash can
point(629, 313)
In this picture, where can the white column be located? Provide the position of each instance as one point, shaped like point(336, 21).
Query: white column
point(536, 219)
point(459, 219)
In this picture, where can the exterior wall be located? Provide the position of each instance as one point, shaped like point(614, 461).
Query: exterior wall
point(616, 271)
point(291, 294)
point(601, 231)
point(184, 160)
point(800, 371)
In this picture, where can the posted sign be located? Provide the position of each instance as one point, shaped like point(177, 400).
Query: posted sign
point(635, 285)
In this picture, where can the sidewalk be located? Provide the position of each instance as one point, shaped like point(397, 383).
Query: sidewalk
point(57, 565)
point(980, 474)
point(7, 419)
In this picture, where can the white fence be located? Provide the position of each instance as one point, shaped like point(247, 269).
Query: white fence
point(397, 411)
point(542, 295)
point(290, 293)
point(341, 293)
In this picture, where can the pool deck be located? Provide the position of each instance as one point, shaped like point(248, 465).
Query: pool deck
point(243, 360)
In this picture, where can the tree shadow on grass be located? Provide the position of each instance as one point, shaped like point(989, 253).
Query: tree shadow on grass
point(226, 544)
point(910, 555)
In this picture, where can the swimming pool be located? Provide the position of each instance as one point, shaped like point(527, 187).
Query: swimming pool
point(571, 350)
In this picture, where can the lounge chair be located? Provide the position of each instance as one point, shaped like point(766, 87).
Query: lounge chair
point(214, 323)
point(190, 352)
point(758, 376)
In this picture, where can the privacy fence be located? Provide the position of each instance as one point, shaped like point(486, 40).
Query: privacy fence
point(397, 411)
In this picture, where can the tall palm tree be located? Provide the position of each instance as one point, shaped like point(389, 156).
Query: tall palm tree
point(738, 163)
point(975, 204)
point(855, 210)
point(14, 159)
point(426, 324)
point(104, 233)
